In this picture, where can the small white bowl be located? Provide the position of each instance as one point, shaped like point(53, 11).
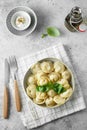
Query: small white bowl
point(23, 14)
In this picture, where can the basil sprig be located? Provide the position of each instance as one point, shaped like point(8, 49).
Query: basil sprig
point(58, 88)
point(51, 31)
point(44, 88)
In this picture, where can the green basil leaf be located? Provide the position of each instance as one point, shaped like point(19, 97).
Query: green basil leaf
point(37, 88)
point(47, 88)
point(42, 89)
point(55, 84)
point(63, 90)
point(60, 87)
point(53, 31)
point(55, 89)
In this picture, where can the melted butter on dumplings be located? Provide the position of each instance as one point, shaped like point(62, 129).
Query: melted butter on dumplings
point(47, 67)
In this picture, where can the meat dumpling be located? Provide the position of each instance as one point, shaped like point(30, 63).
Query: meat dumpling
point(54, 76)
point(66, 75)
point(59, 67)
point(49, 102)
point(47, 66)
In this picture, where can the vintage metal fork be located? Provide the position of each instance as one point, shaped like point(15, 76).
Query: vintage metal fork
point(14, 68)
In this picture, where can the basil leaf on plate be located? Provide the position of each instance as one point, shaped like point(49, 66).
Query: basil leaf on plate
point(41, 88)
point(49, 86)
point(63, 90)
point(60, 87)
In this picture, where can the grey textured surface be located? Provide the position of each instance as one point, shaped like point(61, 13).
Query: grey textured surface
point(49, 12)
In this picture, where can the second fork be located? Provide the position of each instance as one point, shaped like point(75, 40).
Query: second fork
point(14, 68)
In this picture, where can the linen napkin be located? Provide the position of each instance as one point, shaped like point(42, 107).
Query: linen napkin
point(33, 115)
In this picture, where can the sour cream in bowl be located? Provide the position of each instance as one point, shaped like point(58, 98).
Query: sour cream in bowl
point(21, 20)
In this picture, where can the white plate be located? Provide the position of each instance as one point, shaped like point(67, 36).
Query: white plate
point(21, 14)
point(32, 26)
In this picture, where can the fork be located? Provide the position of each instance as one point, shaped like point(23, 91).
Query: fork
point(14, 68)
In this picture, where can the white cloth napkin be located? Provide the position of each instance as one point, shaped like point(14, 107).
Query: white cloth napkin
point(33, 115)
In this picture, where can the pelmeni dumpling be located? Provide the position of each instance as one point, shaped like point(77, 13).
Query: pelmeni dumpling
point(31, 91)
point(32, 79)
point(43, 80)
point(49, 102)
point(36, 68)
point(51, 93)
point(59, 67)
point(28, 91)
point(41, 95)
point(67, 86)
point(54, 76)
point(47, 66)
point(63, 81)
point(39, 74)
point(59, 100)
point(66, 75)
point(31, 86)
point(38, 101)
point(67, 93)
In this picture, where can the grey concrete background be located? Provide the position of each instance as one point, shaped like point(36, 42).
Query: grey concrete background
point(49, 13)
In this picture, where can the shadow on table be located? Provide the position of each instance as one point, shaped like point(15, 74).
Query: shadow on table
point(74, 65)
point(42, 22)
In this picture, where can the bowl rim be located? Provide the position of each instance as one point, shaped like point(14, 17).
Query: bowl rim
point(49, 59)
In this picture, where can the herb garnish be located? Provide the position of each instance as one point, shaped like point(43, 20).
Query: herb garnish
point(58, 88)
point(51, 31)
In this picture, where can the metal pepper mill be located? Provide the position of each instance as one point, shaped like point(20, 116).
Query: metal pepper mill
point(74, 19)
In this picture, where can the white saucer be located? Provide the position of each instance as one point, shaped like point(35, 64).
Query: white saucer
point(27, 31)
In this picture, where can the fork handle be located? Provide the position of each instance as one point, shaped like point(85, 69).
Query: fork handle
point(17, 96)
point(5, 103)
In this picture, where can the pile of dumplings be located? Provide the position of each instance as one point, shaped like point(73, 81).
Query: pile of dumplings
point(43, 73)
